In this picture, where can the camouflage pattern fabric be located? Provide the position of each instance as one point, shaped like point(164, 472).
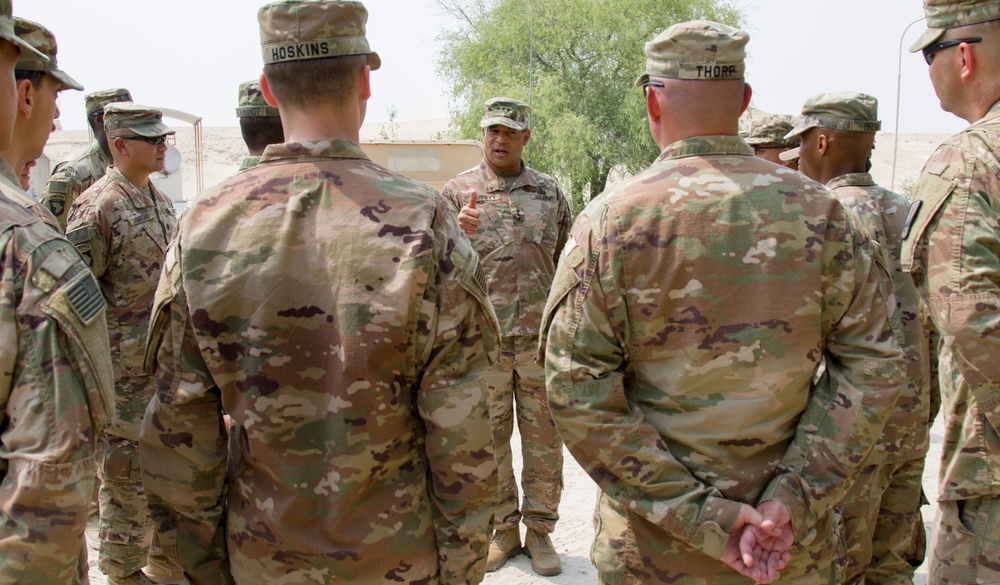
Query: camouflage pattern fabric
point(906, 437)
point(249, 162)
point(952, 252)
point(334, 310)
point(965, 544)
point(524, 228)
point(524, 396)
point(122, 233)
point(72, 177)
point(54, 351)
point(684, 336)
point(9, 178)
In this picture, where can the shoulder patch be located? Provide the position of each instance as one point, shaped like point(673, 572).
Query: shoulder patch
point(78, 236)
point(85, 298)
point(58, 187)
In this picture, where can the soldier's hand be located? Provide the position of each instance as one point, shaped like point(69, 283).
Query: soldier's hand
point(468, 217)
point(764, 547)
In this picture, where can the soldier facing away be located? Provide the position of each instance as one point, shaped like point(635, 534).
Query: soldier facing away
point(953, 253)
point(75, 174)
point(691, 315)
point(55, 394)
point(334, 310)
point(121, 225)
point(260, 124)
point(881, 511)
point(767, 137)
point(518, 221)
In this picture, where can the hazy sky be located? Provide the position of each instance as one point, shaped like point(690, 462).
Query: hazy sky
point(191, 55)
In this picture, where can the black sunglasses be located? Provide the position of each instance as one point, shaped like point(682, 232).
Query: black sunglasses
point(154, 140)
point(651, 83)
point(929, 50)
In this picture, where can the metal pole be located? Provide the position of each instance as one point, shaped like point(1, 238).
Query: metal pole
point(899, 83)
point(531, 64)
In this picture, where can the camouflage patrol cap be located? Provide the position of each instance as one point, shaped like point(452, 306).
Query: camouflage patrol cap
point(843, 110)
point(7, 31)
point(506, 112)
point(770, 130)
point(128, 119)
point(696, 50)
point(44, 42)
point(95, 102)
point(944, 14)
point(252, 103)
point(298, 30)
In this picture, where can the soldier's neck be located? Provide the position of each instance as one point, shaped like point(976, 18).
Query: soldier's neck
point(138, 178)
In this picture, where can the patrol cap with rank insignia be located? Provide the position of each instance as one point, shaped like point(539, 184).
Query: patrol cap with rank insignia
point(849, 111)
point(699, 50)
point(251, 102)
point(944, 14)
point(128, 119)
point(95, 102)
point(7, 31)
point(298, 30)
point(44, 42)
point(503, 111)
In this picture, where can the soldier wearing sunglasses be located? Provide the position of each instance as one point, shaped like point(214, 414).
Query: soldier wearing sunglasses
point(121, 225)
point(953, 253)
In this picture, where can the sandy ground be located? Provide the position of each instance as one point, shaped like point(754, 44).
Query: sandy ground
point(222, 151)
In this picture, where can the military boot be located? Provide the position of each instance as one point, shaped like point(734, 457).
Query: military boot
point(544, 559)
point(505, 544)
point(136, 578)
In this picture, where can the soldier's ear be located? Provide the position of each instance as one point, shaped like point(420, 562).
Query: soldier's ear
point(25, 96)
point(265, 90)
point(822, 144)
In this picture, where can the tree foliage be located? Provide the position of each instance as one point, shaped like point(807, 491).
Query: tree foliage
point(576, 62)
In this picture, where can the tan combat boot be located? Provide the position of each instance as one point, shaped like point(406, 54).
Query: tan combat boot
point(136, 578)
point(505, 544)
point(544, 559)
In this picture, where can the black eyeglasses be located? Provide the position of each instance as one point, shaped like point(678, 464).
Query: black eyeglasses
point(929, 50)
point(651, 83)
point(154, 140)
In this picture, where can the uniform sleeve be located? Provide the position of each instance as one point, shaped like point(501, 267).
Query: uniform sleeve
point(56, 397)
point(462, 337)
point(455, 200)
point(183, 441)
point(850, 402)
point(585, 344)
point(89, 230)
point(62, 188)
point(565, 224)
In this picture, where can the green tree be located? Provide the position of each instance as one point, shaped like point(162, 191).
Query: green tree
point(576, 61)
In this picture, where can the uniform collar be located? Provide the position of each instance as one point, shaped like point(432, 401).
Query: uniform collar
point(331, 149)
point(852, 180)
point(706, 145)
point(9, 175)
point(495, 183)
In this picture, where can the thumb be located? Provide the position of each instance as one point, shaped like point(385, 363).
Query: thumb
point(472, 200)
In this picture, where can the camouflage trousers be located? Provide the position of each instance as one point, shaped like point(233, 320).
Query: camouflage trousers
point(965, 543)
point(881, 523)
point(517, 385)
point(630, 550)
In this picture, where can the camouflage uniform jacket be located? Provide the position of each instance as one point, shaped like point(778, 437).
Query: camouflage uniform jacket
point(907, 433)
point(953, 253)
point(523, 230)
point(55, 399)
point(249, 162)
point(123, 234)
point(336, 312)
point(72, 177)
point(8, 176)
point(692, 308)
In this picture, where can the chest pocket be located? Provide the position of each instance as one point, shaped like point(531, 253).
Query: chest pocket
point(149, 233)
point(497, 210)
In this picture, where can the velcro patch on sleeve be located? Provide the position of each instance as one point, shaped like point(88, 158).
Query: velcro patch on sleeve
point(78, 236)
point(58, 187)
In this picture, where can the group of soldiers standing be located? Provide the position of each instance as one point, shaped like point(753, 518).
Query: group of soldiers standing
point(313, 375)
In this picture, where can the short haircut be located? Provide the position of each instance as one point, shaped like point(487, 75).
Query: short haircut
point(301, 84)
point(261, 131)
point(35, 77)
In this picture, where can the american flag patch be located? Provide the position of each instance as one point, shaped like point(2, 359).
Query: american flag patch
point(85, 298)
point(78, 236)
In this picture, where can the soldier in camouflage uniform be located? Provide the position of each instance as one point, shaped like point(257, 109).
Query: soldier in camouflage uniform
point(55, 395)
point(767, 137)
point(260, 123)
point(121, 225)
point(953, 253)
point(518, 221)
point(882, 509)
point(685, 338)
point(39, 81)
point(75, 174)
point(334, 310)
